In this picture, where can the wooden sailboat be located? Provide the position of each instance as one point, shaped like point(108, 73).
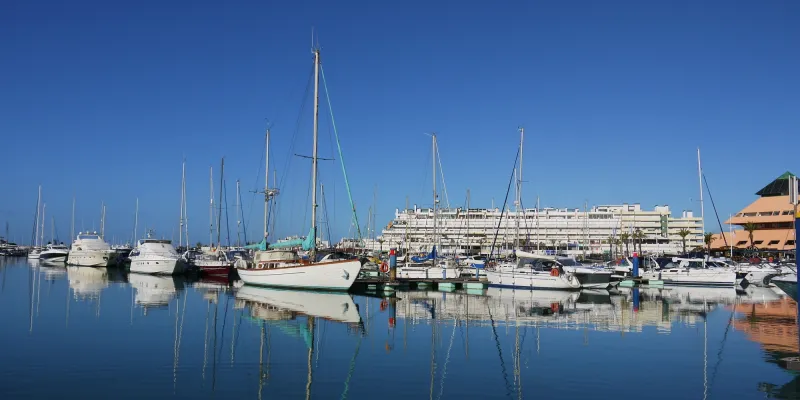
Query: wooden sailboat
point(279, 265)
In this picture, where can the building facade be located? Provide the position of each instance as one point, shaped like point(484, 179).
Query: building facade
point(563, 230)
point(770, 218)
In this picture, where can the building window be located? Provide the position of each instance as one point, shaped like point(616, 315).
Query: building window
point(790, 243)
point(758, 242)
point(787, 212)
point(741, 242)
point(773, 242)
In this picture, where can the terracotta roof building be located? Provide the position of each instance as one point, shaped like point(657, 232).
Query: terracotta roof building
point(772, 216)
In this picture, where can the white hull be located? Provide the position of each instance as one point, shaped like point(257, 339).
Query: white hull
point(331, 306)
point(335, 275)
point(89, 258)
point(156, 266)
point(59, 259)
point(424, 272)
point(33, 256)
point(533, 280)
point(153, 291)
point(691, 276)
point(591, 278)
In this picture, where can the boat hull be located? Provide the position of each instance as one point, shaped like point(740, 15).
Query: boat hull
point(89, 258)
point(428, 273)
point(214, 268)
point(334, 275)
point(532, 280)
point(156, 266)
point(337, 306)
point(53, 258)
point(693, 277)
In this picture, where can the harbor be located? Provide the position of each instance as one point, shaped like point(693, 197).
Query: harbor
point(208, 338)
point(400, 200)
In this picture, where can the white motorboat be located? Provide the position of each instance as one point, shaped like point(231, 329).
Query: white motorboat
point(90, 250)
point(284, 268)
point(155, 256)
point(689, 271)
point(54, 253)
point(87, 282)
point(532, 271)
point(443, 269)
point(589, 277)
point(331, 306)
point(34, 253)
point(153, 291)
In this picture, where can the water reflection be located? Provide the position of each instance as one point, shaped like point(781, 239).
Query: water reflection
point(258, 342)
point(153, 291)
point(87, 282)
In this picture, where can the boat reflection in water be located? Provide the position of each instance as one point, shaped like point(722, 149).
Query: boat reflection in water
point(155, 290)
point(53, 272)
point(279, 304)
point(87, 282)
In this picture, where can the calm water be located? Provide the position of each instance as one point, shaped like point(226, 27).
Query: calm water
point(88, 333)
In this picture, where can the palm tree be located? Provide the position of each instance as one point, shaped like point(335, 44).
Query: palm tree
point(638, 236)
point(625, 237)
point(683, 233)
point(708, 238)
point(750, 228)
point(610, 242)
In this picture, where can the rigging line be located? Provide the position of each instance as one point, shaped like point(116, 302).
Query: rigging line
point(351, 368)
point(222, 337)
point(339, 147)
point(297, 128)
point(721, 348)
point(505, 202)
point(447, 359)
point(227, 219)
point(715, 210)
point(441, 172)
point(499, 349)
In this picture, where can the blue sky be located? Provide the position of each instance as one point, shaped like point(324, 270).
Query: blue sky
point(102, 100)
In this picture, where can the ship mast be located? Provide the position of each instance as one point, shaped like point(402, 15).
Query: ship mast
point(313, 253)
point(435, 199)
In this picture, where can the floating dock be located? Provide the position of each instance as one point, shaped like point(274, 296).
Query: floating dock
point(383, 284)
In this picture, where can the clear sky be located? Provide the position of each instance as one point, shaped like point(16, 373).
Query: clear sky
point(103, 99)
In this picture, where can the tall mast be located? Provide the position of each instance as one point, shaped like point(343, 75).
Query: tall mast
point(519, 185)
point(185, 216)
point(469, 245)
point(102, 219)
point(700, 178)
point(211, 207)
point(537, 224)
point(314, 158)
point(266, 190)
point(434, 189)
point(72, 223)
point(238, 220)
point(38, 208)
point(219, 213)
point(136, 222)
point(44, 207)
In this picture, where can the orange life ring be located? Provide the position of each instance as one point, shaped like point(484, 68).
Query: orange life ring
point(554, 272)
point(384, 267)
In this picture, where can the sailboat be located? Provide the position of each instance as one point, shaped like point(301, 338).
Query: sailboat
point(279, 264)
point(36, 251)
point(429, 267)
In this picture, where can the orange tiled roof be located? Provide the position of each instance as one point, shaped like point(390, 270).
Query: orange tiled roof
point(762, 210)
point(774, 239)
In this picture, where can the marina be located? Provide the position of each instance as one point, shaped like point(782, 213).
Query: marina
point(424, 200)
point(180, 337)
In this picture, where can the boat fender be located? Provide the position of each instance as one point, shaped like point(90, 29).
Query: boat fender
point(384, 267)
point(384, 305)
